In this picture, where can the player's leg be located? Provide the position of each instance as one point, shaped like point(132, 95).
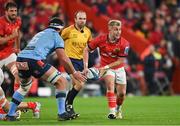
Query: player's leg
point(3, 101)
point(109, 79)
point(10, 63)
point(54, 77)
point(25, 68)
point(77, 86)
point(5, 105)
point(34, 106)
point(121, 91)
point(17, 98)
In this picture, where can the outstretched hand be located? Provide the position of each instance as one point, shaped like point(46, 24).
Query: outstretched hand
point(85, 72)
point(79, 76)
point(102, 71)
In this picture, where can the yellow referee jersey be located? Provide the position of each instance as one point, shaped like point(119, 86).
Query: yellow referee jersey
point(75, 41)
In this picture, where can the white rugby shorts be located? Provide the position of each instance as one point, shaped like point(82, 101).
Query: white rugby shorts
point(119, 75)
point(9, 59)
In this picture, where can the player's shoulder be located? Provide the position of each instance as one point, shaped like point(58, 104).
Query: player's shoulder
point(124, 41)
point(67, 29)
point(18, 19)
point(2, 19)
point(102, 37)
point(87, 29)
point(71, 27)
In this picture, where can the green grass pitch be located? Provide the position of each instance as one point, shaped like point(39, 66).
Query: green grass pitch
point(152, 110)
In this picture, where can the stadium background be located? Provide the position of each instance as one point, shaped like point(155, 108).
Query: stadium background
point(146, 23)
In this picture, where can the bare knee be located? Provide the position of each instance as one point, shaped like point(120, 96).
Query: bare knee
point(61, 83)
point(121, 95)
point(79, 85)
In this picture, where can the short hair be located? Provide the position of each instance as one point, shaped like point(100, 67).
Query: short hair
point(114, 23)
point(79, 11)
point(10, 5)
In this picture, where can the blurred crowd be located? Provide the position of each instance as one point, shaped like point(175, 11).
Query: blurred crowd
point(155, 20)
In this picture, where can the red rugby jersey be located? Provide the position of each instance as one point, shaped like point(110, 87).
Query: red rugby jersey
point(6, 29)
point(110, 52)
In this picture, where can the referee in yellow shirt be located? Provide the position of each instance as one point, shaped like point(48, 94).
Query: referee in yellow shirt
point(76, 38)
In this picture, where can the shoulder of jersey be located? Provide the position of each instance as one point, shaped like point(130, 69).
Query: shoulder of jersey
point(102, 37)
point(86, 28)
point(123, 39)
point(2, 19)
point(70, 27)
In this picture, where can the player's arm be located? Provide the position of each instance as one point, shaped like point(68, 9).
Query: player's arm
point(114, 64)
point(4, 40)
point(102, 70)
point(86, 57)
point(65, 61)
point(17, 43)
point(92, 45)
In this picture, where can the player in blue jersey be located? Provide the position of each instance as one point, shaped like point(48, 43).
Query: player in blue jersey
point(30, 62)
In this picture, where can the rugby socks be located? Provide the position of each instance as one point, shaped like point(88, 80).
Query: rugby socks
point(31, 105)
point(71, 96)
point(2, 111)
point(111, 101)
point(60, 98)
point(16, 86)
point(119, 102)
point(16, 100)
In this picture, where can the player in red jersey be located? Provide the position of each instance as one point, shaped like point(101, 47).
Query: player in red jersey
point(9, 44)
point(113, 50)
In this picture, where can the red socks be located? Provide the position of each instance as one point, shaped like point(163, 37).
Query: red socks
point(111, 99)
point(31, 105)
point(2, 111)
point(16, 86)
point(119, 101)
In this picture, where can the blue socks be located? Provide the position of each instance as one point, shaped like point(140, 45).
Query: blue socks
point(16, 100)
point(60, 98)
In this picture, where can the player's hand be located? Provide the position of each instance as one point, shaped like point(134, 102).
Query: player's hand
point(85, 72)
point(16, 50)
point(102, 71)
point(78, 76)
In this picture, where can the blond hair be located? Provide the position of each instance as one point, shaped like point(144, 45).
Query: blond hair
point(114, 23)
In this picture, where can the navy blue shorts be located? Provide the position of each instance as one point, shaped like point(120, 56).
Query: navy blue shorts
point(78, 64)
point(36, 68)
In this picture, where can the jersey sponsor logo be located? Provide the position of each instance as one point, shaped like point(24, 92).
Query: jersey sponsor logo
point(116, 50)
point(78, 44)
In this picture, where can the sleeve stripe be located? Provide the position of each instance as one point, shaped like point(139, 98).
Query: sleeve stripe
point(59, 48)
